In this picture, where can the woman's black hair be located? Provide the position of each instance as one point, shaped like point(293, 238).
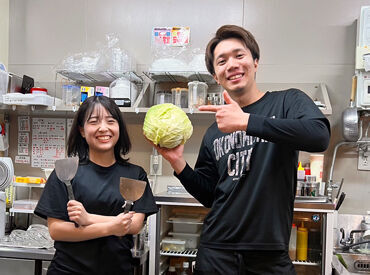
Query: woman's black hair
point(77, 145)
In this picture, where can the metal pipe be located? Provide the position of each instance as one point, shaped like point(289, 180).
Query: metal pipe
point(353, 143)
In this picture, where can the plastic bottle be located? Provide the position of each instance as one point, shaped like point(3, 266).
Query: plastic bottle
point(293, 243)
point(186, 269)
point(172, 270)
point(300, 172)
point(302, 242)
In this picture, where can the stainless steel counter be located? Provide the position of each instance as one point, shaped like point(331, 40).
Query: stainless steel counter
point(186, 199)
point(27, 253)
point(39, 255)
point(35, 254)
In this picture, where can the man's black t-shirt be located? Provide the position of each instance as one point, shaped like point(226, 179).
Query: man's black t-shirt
point(248, 178)
point(97, 188)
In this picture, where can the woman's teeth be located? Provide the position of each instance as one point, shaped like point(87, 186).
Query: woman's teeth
point(103, 138)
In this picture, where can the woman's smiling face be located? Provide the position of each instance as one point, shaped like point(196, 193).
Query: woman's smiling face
point(101, 131)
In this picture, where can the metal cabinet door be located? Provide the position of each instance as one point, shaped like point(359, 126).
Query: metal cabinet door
point(16, 266)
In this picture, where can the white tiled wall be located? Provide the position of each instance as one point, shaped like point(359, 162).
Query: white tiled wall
point(301, 42)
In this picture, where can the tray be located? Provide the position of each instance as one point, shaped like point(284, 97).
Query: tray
point(308, 199)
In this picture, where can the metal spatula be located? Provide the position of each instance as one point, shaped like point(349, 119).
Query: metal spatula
point(66, 170)
point(131, 190)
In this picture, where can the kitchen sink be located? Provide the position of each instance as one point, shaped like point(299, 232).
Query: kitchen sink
point(357, 263)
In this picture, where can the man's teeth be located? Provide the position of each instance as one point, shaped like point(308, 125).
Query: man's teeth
point(235, 76)
point(104, 138)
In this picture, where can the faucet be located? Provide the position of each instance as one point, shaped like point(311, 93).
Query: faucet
point(347, 244)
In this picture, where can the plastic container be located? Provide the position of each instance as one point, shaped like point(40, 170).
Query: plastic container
point(180, 97)
point(39, 91)
point(27, 99)
point(24, 204)
point(170, 244)
point(192, 240)
point(123, 92)
point(312, 189)
point(163, 97)
point(185, 225)
point(197, 94)
point(101, 90)
point(71, 95)
point(293, 243)
point(302, 243)
point(86, 92)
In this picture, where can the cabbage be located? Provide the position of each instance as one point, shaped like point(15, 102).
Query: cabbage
point(167, 125)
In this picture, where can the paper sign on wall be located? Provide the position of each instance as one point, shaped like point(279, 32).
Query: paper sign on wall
point(23, 123)
point(48, 141)
point(22, 159)
point(171, 36)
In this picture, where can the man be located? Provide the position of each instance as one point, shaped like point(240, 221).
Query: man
point(247, 165)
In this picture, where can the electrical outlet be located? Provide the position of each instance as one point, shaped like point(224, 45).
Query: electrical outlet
point(364, 159)
point(156, 162)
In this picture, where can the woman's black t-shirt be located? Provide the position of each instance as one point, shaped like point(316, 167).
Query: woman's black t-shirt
point(97, 188)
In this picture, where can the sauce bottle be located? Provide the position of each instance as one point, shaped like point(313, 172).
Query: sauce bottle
point(302, 242)
point(293, 243)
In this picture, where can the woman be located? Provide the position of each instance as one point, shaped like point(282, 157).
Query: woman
point(101, 243)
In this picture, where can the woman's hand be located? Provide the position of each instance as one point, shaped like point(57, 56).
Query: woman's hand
point(121, 224)
point(77, 213)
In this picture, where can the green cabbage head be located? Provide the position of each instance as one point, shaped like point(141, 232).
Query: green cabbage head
point(167, 125)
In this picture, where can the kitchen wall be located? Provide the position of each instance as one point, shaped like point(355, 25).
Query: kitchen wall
point(4, 31)
point(301, 42)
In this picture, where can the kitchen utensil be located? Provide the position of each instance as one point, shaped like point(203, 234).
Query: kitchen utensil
point(66, 170)
point(340, 200)
point(340, 187)
point(6, 177)
point(350, 129)
point(6, 172)
point(131, 190)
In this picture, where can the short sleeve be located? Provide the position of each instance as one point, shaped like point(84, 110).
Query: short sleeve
point(146, 204)
point(53, 200)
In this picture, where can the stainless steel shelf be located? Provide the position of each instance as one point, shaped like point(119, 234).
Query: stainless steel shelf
point(180, 76)
point(192, 253)
point(306, 263)
point(26, 211)
point(100, 76)
point(21, 184)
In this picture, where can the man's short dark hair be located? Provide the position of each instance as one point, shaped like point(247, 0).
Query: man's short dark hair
point(226, 32)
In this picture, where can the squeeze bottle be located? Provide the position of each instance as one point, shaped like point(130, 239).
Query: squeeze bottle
point(293, 243)
point(302, 242)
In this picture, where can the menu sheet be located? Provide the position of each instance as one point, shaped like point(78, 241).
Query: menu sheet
point(48, 141)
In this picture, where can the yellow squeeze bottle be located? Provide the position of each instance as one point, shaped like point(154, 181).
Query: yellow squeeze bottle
point(302, 242)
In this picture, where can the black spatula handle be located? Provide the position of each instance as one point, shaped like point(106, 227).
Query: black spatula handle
point(71, 196)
